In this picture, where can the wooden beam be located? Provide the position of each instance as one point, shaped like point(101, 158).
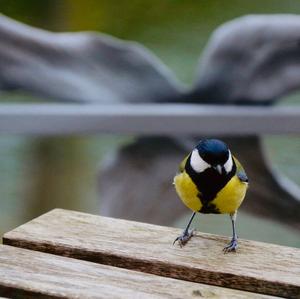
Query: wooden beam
point(257, 267)
point(147, 119)
point(32, 274)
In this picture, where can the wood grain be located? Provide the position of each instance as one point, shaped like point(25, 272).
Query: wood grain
point(31, 274)
point(258, 267)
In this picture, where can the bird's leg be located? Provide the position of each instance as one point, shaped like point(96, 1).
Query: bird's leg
point(186, 234)
point(233, 245)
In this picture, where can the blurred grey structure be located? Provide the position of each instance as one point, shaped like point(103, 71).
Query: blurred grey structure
point(80, 67)
point(253, 60)
point(250, 60)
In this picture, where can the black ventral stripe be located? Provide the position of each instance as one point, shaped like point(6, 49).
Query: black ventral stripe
point(209, 183)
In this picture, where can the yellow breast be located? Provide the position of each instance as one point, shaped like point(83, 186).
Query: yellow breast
point(227, 200)
point(187, 191)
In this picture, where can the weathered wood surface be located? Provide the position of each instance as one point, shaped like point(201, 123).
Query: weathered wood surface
point(148, 119)
point(257, 267)
point(31, 274)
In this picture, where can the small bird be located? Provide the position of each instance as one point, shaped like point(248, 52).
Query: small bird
point(211, 181)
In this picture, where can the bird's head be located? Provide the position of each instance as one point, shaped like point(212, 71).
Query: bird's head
point(214, 154)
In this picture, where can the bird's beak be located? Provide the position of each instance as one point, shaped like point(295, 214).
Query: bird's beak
point(218, 168)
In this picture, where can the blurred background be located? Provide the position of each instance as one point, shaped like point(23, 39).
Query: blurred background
point(38, 174)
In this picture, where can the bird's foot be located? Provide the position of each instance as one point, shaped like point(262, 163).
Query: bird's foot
point(232, 246)
point(184, 237)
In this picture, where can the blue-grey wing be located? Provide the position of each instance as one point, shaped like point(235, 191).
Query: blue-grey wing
point(242, 176)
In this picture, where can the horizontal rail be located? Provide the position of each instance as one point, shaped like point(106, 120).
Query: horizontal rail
point(147, 119)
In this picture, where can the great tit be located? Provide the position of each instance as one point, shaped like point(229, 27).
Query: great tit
point(211, 180)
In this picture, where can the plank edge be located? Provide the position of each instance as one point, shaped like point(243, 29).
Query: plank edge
point(226, 280)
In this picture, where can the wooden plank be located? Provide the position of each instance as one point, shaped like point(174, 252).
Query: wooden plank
point(258, 267)
point(147, 119)
point(32, 274)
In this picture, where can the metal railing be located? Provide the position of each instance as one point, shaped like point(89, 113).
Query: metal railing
point(147, 119)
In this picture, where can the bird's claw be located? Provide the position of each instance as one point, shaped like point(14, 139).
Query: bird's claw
point(232, 246)
point(184, 237)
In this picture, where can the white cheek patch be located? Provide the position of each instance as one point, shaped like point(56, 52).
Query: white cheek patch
point(197, 163)
point(229, 164)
